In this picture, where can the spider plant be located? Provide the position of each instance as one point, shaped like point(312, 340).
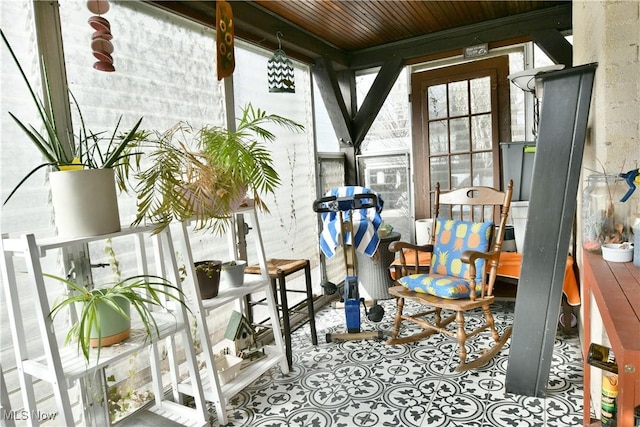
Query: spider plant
point(141, 291)
point(204, 174)
point(58, 147)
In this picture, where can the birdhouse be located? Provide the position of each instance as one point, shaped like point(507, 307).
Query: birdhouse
point(240, 332)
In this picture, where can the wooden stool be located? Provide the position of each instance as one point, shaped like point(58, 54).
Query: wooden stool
point(278, 270)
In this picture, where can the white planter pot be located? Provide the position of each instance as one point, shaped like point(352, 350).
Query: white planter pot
point(233, 275)
point(85, 202)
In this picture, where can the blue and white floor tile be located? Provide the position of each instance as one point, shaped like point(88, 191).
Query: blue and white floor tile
point(367, 383)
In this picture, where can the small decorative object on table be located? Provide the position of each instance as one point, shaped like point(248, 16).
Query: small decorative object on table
point(605, 218)
point(618, 252)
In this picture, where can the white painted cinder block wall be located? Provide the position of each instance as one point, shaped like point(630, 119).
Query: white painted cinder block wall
point(608, 32)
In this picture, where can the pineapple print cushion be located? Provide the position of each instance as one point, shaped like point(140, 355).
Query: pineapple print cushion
point(449, 275)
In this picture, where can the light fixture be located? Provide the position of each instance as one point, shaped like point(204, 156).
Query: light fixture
point(280, 71)
point(528, 81)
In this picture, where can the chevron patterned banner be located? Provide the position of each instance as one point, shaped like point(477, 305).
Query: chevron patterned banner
point(280, 73)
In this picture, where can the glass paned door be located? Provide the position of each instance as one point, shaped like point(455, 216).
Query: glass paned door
point(459, 118)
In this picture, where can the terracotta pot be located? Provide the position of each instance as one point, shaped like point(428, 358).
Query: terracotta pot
point(208, 274)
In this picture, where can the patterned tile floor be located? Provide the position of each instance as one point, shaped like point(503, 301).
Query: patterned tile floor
point(367, 383)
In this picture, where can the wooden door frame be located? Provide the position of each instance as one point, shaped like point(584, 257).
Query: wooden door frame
point(498, 69)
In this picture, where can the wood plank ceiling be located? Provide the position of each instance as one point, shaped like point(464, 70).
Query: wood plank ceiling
point(347, 31)
point(356, 25)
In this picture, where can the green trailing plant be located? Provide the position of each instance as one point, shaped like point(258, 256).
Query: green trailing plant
point(142, 291)
point(62, 150)
point(124, 398)
point(204, 174)
point(113, 260)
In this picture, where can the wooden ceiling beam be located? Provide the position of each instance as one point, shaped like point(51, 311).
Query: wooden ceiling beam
point(525, 24)
point(555, 46)
point(339, 101)
point(332, 95)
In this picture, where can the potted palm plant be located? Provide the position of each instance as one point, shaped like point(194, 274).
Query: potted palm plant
point(204, 174)
point(104, 314)
point(82, 166)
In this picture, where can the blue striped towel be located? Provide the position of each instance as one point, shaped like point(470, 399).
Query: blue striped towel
point(365, 221)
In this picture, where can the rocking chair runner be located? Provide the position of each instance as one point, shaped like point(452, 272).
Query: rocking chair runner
point(462, 269)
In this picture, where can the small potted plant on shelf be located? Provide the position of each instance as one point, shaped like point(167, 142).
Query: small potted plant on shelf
point(208, 273)
point(104, 314)
point(204, 174)
point(233, 272)
point(82, 166)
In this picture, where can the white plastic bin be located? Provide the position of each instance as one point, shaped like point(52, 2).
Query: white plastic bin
point(423, 231)
point(518, 214)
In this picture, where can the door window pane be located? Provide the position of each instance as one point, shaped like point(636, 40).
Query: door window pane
point(470, 136)
point(471, 113)
point(481, 132)
point(458, 98)
point(460, 170)
point(437, 101)
point(439, 167)
point(480, 95)
point(438, 137)
point(482, 168)
point(460, 135)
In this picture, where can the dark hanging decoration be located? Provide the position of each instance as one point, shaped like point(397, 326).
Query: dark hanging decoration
point(280, 71)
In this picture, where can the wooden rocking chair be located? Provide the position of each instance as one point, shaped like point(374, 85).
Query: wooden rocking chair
point(465, 250)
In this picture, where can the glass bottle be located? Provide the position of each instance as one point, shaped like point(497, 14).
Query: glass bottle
point(604, 218)
point(602, 357)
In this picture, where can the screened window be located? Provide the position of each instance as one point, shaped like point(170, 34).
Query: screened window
point(165, 73)
point(391, 129)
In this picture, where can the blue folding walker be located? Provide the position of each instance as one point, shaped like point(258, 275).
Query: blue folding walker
point(351, 295)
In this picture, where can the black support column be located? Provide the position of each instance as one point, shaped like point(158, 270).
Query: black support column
point(552, 206)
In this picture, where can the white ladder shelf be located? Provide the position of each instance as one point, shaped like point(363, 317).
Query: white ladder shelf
point(62, 366)
point(215, 390)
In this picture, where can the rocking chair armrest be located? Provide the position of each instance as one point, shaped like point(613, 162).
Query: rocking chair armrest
point(398, 246)
point(469, 257)
point(408, 259)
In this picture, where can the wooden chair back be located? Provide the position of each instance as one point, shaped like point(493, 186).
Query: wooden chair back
point(477, 204)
